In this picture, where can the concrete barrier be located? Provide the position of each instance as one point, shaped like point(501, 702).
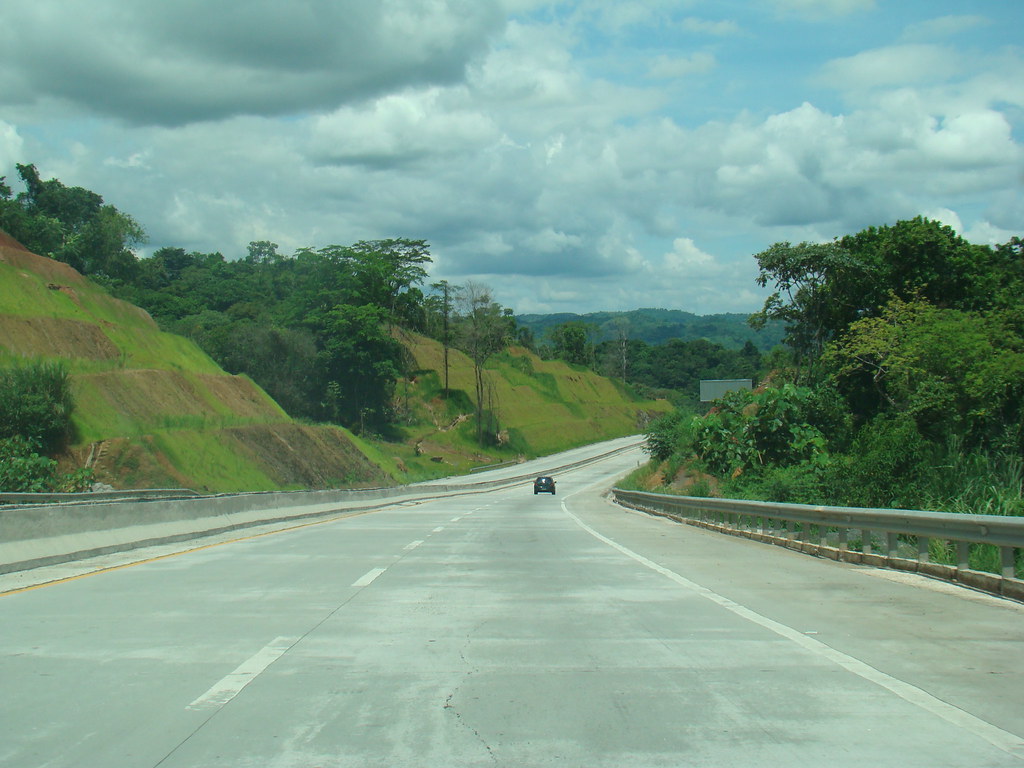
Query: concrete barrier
point(35, 535)
point(31, 537)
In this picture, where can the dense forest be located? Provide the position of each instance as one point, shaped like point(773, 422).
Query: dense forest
point(904, 385)
point(658, 326)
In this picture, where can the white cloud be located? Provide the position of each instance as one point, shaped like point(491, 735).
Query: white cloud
point(534, 155)
point(985, 232)
point(400, 128)
point(708, 27)
point(673, 67)
point(152, 62)
point(949, 218)
point(687, 260)
point(549, 241)
point(899, 65)
point(12, 147)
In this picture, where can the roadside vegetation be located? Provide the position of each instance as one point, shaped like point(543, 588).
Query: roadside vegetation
point(35, 421)
point(903, 385)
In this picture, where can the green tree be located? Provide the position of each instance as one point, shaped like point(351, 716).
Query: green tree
point(484, 330)
point(809, 298)
point(35, 420)
point(665, 435)
point(821, 288)
point(283, 361)
point(359, 363)
point(23, 469)
point(443, 304)
point(954, 373)
point(73, 225)
point(571, 342)
point(388, 273)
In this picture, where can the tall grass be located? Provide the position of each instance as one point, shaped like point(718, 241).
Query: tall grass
point(977, 483)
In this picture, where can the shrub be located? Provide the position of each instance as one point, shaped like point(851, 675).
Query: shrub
point(22, 469)
point(749, 430)
point(36, 403)
point(887, 465)
point(664, 435)
point(797, 484)
point(987, 483)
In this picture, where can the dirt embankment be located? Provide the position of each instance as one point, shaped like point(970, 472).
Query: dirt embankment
point(151, 397)
point(55, 337)
point(309, 457)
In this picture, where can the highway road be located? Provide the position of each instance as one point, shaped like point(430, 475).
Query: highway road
point(503, 629)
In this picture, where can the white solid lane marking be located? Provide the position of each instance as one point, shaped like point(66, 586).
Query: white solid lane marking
point(997, 737)
point(368, 577)
point(230, 685)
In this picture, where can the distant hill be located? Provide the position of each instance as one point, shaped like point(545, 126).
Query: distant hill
point(656, 326)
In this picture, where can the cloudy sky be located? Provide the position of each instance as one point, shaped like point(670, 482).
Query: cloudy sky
point(574, 155)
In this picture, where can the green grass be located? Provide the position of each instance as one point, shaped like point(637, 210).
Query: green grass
point(212, 460)
point(978, 483)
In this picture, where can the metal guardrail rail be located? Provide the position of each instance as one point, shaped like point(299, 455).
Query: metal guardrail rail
point(888, 538)
point(96, 496)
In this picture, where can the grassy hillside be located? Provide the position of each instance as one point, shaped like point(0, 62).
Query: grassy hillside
point(152, 409)
point(540, 407)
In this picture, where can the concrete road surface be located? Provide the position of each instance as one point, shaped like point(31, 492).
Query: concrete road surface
point(503, 629)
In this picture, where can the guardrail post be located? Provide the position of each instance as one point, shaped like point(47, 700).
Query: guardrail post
point(922, 549)
point(892, 544)
point(823, 535)
point(865, 541)
point(843, 538)
point(1006, 554)
point(963, 555)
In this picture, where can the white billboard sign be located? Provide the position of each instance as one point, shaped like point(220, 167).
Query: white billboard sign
point(712, 389)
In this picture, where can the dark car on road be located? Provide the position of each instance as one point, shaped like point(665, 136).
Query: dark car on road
point(544, 485)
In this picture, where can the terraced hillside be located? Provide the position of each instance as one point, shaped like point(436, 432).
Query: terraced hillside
point(153, 410)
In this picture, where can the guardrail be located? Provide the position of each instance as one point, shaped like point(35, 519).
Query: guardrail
point(888, 538)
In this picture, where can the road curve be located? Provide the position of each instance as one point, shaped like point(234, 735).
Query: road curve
point(505, 629)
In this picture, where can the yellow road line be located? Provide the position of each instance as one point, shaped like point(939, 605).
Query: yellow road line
point(108, 569)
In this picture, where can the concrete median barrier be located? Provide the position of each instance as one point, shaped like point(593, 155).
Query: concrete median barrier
point(36, 535)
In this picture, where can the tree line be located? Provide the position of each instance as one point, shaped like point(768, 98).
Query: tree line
point(672, 370)
point(902, 385)
point(315, 328)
